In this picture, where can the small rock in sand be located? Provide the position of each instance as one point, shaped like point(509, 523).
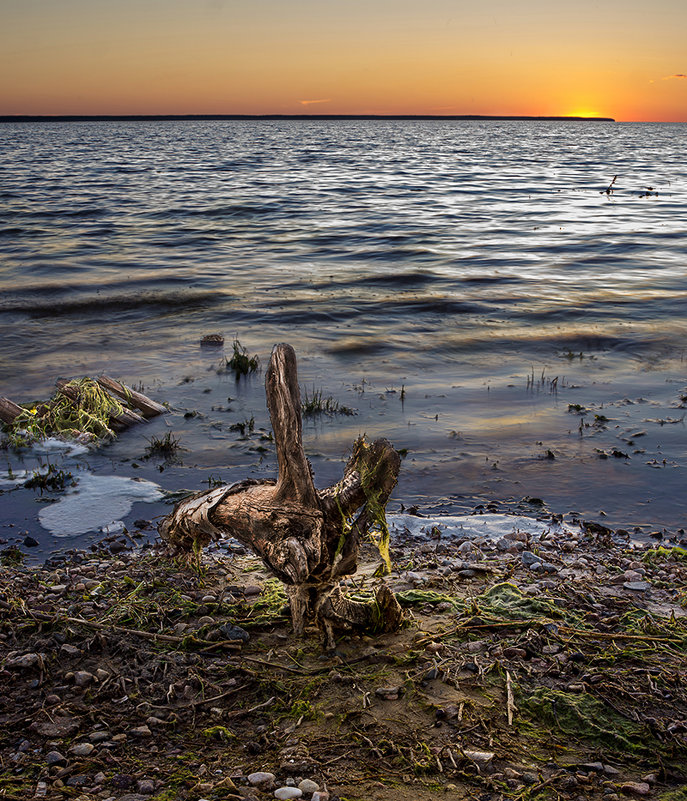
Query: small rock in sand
point(308, 786)
point(636, 788)
point(82, 749)
point(288, 792)
point(260, 778)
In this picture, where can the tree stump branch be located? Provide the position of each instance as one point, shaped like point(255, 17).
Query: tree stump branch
point(308, 538)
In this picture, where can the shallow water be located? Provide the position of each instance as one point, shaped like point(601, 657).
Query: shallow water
point(470, 263)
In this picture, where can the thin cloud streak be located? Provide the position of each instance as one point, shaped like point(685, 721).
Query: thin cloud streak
point(677, 75)
point(310, 102)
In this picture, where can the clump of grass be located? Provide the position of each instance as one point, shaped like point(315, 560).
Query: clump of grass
point(11, 557)
point(240, 363)
point(61, 416)
point(246, 425)
point(317, 403)
point(163, 447)
point(53, 479)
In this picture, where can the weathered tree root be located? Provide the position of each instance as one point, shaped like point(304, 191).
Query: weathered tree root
point(308, 538)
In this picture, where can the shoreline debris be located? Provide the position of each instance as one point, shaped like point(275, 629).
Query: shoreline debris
point(84, 409)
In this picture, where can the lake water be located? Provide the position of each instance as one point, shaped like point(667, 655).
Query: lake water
point(464, 286)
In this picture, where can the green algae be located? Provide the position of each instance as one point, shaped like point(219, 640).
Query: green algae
point(587, 719)
point(506, 601)
point(419, 597)
point(90, 413)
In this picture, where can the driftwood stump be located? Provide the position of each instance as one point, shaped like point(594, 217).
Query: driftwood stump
point(308, 538)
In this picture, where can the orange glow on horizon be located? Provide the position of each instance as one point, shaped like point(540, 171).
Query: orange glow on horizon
point(378, 57)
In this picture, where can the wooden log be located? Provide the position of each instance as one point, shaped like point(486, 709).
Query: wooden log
point(307, 538)
point(119, 422)
point(147, 407)
point(9, 410)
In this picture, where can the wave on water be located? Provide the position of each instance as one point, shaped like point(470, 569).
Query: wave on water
point(47, 305)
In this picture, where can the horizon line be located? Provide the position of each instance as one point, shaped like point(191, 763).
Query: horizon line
point(192, 117)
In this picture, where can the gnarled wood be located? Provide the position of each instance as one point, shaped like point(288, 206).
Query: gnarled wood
point(147, 406)
point(9, 410)
point(308, 538)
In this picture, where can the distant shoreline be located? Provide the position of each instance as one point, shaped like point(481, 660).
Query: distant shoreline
point(314, 117)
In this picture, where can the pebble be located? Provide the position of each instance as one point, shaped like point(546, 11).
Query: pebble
point(82, 749)
point(206, 620)
point(636, 788)
point(480, 757)
point(260, 778)
point(99, 736)
point(23, 662)
point(308, 786)
point(141, 731)
point(288, 792)
point(529, 558)
point(82, 678)
point(208, 599)
point(637, 586)
point(146, 786)
point(389, 693)
point(321, 796)
point(55, 758)
point(232, 632)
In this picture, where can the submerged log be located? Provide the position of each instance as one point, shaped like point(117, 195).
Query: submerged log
point(9, 410)
point(119, 422)
point(307, 538)
point(147, 407)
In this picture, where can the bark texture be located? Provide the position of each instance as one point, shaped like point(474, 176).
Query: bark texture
point(308, 538)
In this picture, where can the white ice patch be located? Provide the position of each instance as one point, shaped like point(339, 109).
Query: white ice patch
point(97, 503)
point(53, 445)
point(492, 527)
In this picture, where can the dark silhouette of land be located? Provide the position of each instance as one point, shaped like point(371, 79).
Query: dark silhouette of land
point(314, 117)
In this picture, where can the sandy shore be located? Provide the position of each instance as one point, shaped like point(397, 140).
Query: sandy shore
point(548, 665)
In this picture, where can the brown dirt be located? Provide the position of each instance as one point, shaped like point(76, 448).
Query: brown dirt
point(596, 671)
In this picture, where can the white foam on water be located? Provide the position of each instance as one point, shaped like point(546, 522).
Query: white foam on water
point(490, 526)
point(97, 503)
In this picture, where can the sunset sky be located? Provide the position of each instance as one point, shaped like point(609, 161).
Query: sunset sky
point(620, 58)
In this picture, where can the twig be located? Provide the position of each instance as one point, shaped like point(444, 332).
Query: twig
point(240, 712)
point(510, 704)
point(218, 697)
point(604, 635)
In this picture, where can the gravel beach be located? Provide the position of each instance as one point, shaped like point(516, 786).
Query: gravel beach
point(547, 664)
